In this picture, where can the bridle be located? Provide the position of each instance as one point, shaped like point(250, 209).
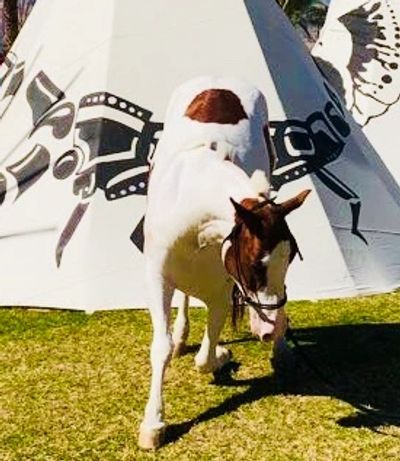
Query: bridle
point(240, 295)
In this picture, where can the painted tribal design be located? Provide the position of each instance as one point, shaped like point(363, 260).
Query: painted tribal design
point(112, 141)
point(309, 146)
point(110, 153)
point(374, 63)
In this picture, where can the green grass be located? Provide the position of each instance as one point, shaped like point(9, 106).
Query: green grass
point(73, 387)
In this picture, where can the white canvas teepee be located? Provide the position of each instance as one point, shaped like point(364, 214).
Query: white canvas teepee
point(82, 97)
point(359, 52)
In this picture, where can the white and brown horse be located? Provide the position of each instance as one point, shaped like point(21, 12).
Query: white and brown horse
point(209, 225)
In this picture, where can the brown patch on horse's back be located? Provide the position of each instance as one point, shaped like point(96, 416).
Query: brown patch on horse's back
point(216, 106)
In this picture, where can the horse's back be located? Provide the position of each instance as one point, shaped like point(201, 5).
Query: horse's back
point(211, 110)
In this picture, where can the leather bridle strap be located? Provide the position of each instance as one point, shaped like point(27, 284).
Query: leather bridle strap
point(267, 307)
point(246, 299)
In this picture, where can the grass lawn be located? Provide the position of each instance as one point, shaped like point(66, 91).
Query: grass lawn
point(73, 387)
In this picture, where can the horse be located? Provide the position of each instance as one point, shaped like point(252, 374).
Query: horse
point(211, 229)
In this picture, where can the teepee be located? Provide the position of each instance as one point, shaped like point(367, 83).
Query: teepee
point(82, 99)
point(359, 53)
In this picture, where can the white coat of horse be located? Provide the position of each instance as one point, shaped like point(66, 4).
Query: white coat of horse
point(215, 146)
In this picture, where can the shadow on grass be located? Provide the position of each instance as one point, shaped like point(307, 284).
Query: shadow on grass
point(258, 388)
point(361, 365)
point(361, 361)
point(193, 348)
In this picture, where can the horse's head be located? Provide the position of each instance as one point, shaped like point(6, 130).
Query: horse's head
point(261, 250)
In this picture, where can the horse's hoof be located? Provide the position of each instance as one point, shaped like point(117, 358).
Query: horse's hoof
point(151, 439)
point(179, 350)
point(223, 356)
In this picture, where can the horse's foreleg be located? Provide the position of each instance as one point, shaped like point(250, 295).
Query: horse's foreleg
point(159, 296)
point(281, 355)
point(211, 357)
point(181, 328)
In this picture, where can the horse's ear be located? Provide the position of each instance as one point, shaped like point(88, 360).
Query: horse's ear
point(249, 218)
point(295, 202)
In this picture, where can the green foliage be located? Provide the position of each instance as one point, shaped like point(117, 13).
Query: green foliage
point(73, 387)
point(10, 23)
point(296, 9)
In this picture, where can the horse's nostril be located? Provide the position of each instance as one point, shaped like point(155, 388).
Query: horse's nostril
point(266, 337)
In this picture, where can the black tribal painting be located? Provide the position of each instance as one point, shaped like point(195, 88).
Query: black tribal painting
point(309, 146)
point(110, 153)
point(111, 143)
point(372, 59)
point(113, 139)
